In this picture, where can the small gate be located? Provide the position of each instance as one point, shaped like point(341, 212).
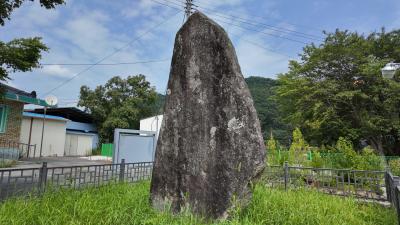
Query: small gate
point(134, 146)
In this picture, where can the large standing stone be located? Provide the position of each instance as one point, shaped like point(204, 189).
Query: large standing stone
point(210, 146)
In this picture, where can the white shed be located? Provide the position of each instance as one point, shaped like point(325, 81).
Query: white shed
point(151, 124)
point(78, 144)
point(54, 133)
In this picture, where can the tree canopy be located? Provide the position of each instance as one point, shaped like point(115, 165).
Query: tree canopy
point(336, 90)
point(120, 103)
point(21, 54)
point(8, 6)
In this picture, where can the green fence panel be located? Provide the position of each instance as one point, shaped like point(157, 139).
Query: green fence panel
point(107, 149)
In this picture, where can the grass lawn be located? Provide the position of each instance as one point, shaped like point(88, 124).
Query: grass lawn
point(128, 204)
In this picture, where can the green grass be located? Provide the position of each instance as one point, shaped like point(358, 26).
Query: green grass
point(129, 204)
point(6, 163)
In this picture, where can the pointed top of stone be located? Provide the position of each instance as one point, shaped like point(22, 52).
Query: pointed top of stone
point(198, 20)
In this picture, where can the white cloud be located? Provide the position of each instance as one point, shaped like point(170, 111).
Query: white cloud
point(56, 70)
point(139, 8)
point(256, 61)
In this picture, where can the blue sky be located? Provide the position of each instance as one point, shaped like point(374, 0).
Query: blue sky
point(87, 31)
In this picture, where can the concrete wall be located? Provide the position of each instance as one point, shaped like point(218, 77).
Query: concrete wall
point(13, 128)
point(54, 135)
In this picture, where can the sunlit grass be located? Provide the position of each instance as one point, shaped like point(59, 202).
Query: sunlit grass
point(129, 204)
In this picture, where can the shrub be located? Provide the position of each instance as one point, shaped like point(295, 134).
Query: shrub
point(317, 161)
point(394, 166)
point(273, 156)
point(298, 149)
point(368, 160)
point(6, 163)
point(346, 157)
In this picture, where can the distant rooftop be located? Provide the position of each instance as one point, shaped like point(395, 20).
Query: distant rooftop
point(71, 113)
point(41, 116)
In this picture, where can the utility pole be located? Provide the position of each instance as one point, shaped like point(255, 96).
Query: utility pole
point(188, 8)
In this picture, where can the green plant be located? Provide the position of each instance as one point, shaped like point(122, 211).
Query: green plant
point(368, 160)
point(346, 157)
point(129, 204)
point(298, 149)
point(96, 151)
point(273, 156)
point(394, 166)
point(6, 163)
point(317, 161)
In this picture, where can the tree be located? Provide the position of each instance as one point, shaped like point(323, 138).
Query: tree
point(120, 103)
point(8, 6)
point(273, 156)
point(21, 54)
point(336, 90)
point(298, 149)
point(263, 91)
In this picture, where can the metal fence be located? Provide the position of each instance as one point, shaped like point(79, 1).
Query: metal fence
point(393, 191)
point(372, 185)
point(34, 181)
point(358, 183)
point(362, 184)
point(11, 150)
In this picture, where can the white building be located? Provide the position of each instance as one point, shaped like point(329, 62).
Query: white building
point(61, 137)
point(151, 124)
point(53, 138)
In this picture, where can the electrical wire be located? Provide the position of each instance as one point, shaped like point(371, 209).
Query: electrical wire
point(113, 53)
point(103, 64)
point(270, 18)
point(261, 32)
point(256, 23)
point(242, 27)
point(251, 42)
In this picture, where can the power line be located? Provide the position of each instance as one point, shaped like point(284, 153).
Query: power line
point(251, 42)
point(169, 5)
point(255, 23)
point(113, 53)
point(252, 24)
point(188, 8)
point(261, 31)
point(103, 64)
point(269, 18)
point(269, 27)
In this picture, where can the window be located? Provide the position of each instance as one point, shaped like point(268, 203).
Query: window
point(3, 118)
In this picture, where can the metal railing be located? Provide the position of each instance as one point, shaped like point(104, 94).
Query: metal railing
point(11, 150)
point(34, 181)
point(393, 191)
point(371, 185)
point(361, 184)
point(358, 183)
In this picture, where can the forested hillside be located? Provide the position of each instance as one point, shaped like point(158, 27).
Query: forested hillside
point(262, 90)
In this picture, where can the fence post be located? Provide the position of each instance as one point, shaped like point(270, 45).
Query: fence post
point(388, 186)
point(122, 170)
point(286, 173)
point(397, 202)
point(42, 177)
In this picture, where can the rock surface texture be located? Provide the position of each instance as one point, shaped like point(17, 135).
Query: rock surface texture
point(210, 146)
